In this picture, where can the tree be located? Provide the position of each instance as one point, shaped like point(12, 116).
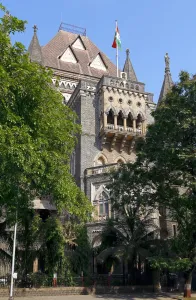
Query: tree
point(169, 152)
point(135, 224)
point(37, 133)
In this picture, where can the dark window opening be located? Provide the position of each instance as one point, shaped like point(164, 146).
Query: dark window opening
point(130, 120)
point(110, 117)
point(174, 230)
point(139, 122)
point(120, 118)
point(44, 214)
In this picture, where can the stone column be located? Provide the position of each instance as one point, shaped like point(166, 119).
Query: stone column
point(125, 124)
point(104, 119)
point(115, 121)
point(143, 127)
point(134, 125)
point(109, 209)
point(35, 265)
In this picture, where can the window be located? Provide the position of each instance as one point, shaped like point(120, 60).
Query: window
point(120, 161)
point(103, 204)
point(110, 117)
point(100, 161)
point(174, 230)
point(130, 121)
point(120, 118)
point(129, 102)
point(110, 98)
point(139, 122)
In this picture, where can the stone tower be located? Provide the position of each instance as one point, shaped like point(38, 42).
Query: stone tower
point(113, 113)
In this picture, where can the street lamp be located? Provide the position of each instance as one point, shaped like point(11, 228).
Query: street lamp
point(11, 297)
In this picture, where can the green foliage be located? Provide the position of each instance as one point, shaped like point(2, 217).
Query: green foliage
point(164, 174)
point(131, 200)
point(171, 264)
point(169, 152)
point(37, 133)
point(81, 257)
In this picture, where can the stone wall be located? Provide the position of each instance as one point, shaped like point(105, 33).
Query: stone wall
point(57, 291)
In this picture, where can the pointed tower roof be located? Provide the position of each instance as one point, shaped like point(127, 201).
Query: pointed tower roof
point(128, 68)
point(167, 82)
point(35, 49)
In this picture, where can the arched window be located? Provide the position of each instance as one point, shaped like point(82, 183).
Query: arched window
point(130, 121)
point(120, 161)
point(103, 205)
point(120, 118)
point(110, 117)
point(100, 161)
point(139, 122)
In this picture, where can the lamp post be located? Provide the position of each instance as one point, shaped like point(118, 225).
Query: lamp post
point(11, 297)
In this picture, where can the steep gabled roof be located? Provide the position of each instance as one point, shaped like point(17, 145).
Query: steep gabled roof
point(128, 68)
point(34, 49)
point(62, 41)
point(167, 82)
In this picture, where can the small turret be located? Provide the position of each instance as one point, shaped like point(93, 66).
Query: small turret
point(167, 82)
point(34, 49)
point(128, 68)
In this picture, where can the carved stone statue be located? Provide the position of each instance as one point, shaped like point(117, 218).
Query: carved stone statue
point(167, 59)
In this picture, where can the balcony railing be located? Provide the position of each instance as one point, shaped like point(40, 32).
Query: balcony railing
point(130, 129)
point(101, 169)
point(121, 128)
point(110, 126)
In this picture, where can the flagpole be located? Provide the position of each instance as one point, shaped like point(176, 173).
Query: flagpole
point(116, 53)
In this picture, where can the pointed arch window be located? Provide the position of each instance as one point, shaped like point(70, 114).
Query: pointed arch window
point(103, 205)
point(110, 117)
point(130, 121)
point(139, 121)
point(120, 121)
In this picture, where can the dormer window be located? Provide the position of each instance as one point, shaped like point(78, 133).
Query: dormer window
point(78, 44)
point(68, 56)
point(98, 63)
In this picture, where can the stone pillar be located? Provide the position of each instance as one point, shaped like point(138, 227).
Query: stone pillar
point(134, 125)
point(115, 121)
point(104, 119)
point(35, 265)
point(143, 127)
point(109, 209)
point(125, 124)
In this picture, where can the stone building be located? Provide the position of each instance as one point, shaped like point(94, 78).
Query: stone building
point(113, 112)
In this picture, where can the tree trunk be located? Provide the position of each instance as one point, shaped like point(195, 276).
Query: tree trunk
point(156, 280)
point(187, 286)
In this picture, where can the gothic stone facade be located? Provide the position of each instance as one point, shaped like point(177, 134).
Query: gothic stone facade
point(113, 112)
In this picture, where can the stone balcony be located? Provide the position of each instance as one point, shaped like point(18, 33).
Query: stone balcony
point(121, 129)
point(120, 136)
point(101, 169)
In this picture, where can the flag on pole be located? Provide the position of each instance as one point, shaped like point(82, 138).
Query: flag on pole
point(117, 41)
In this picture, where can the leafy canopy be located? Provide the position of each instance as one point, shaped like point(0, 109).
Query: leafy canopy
point(170, 153)
point(37, 132)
